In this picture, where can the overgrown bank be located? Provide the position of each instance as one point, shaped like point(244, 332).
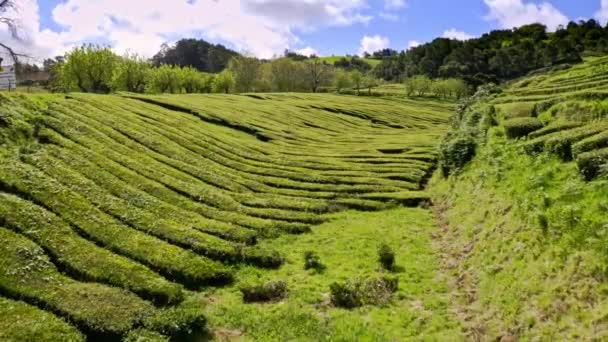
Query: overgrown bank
point(523, 228)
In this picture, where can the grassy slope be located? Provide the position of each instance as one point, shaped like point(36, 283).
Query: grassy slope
point(523, 236)
point(348, 247)
point(173, 188)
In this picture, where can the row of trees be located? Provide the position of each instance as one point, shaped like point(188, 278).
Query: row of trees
point(97, 69)
point(498, 55)
point(422, 85)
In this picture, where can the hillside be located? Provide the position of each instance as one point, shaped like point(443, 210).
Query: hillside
point(122, 214)
point(523, 224)
point(263, 217)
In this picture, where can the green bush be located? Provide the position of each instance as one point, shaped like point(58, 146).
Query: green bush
point(592, 143)
point(180, 323)
point(386, 256)
point(273, 290)
point(455, 152)
point(26, 272)
point(82, 257)
point(521, 127)
point(561, 145)
point(357, 292)
point(593, 164)
point(554, 127)
point(312, 261)
point(144, 335)
point(23, 322)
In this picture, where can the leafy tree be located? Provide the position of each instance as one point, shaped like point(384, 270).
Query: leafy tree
point(357, 80)
point(369, 82)
point(223, 82)
point(130, 74)
point(342, 80)
point(195, 53)
point(89, 68)
point(193, 81)
point(287, 75)
point(164, 79)
point(245, 71)
point(422, 84)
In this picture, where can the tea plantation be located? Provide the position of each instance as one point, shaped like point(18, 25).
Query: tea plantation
point(123, 217)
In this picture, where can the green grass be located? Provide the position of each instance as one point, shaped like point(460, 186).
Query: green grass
point(348, 247)
point(526, 243)
point(523, 224)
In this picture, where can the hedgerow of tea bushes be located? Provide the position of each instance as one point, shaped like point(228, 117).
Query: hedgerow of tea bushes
point(521, 127)
point(593, 164)
point(455, 152)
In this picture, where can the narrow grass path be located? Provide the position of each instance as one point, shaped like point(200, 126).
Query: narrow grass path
point(347, 245)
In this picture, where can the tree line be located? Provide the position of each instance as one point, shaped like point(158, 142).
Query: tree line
point(498, 55)
point(98, 69)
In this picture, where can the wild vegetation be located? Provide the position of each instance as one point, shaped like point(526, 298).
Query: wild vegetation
point(524, 208)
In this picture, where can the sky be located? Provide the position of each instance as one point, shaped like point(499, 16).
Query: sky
point(265, 28)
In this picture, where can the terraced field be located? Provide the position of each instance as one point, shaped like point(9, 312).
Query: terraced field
point(571, 105)
point(119, 214)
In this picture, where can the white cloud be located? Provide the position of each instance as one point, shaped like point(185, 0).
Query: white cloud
point(306, 13)
point(412, 44)
point(515, 13)
point(372, 44)
point(455, 34)
point(262, 27)
point(602, 14)
point(394, 4)
point(307, 51)
point(389, 16)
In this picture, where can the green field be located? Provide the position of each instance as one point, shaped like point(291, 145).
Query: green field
point(332, 59)
point(125, 216)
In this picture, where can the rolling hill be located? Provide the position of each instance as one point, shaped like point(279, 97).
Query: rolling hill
point(120, 214)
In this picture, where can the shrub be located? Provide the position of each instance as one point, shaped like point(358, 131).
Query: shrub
point(592, 164)
point(521, 127)
point(554, 127)
point(456, 152)
point(357, 292)
point(180, 322)
point(561, 145)
point(270, 291)
point(143, 335)
point(386, 256)
point(312, 261)
point(592, 143)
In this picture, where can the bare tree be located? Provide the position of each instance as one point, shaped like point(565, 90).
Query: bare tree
point(5, 5)
point(318, 73)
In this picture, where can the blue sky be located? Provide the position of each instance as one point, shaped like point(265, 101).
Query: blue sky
point(266, 27)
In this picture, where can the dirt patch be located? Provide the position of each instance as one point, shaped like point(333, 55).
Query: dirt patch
point(461, 282)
